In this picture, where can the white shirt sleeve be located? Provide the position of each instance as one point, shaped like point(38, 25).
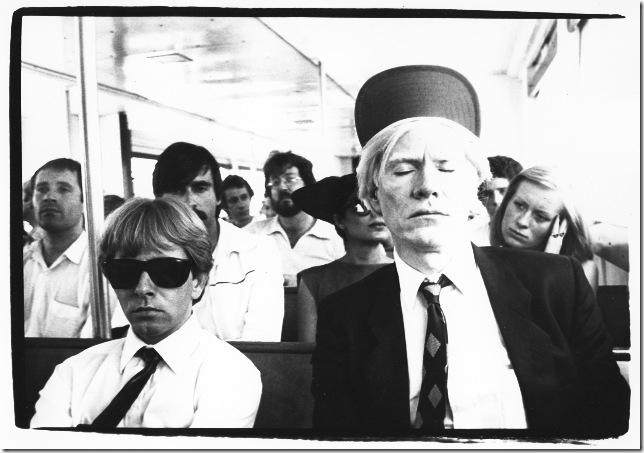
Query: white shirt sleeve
point(53, 408)
point(237, 406)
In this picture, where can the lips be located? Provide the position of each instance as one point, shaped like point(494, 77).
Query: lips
point(427, 212)
point(49, 210)
point(377, 225)
point(145, 310)
point(517, 235)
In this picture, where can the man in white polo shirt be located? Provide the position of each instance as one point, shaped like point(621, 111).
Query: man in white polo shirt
point(244, 300)
point(302, 241)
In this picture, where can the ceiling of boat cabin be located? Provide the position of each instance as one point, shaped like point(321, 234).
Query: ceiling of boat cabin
point(262, 74)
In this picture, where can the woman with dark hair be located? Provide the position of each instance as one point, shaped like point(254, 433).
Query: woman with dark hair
point(334, 200)
point(539, 213)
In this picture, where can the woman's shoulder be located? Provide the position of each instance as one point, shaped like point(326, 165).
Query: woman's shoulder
point(320, 270)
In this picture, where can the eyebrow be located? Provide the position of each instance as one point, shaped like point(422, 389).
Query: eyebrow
point(404, 160)
point(201, 183)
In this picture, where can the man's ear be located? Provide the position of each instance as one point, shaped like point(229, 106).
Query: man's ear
point(337, 220)
point(199, 283)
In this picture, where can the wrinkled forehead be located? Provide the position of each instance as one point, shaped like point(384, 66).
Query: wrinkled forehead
point(55, 175)
point(434, 140)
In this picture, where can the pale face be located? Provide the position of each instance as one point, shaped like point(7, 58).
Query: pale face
point(365, 229)
point(529, 216)
point(155, 312)
point(495, 192)
point(425, 191)
point(200, 195)
point(57, 200)
point(238, 204)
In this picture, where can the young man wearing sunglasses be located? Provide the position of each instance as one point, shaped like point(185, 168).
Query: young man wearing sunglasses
point(167, 372)
point(244, 300)
point(302, 241)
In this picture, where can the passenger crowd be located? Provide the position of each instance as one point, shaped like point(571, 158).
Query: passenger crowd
point(384, 265)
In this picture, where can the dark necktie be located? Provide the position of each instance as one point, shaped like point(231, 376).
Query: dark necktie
point(116, 410)
point(433, 390)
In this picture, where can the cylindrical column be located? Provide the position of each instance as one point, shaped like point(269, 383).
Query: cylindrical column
point(93, 176)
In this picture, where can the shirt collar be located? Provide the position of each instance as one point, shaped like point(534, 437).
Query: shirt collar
point(273, 226)
point(459, 270)
point(320, 229)
point(175, 350)
point(74, 252)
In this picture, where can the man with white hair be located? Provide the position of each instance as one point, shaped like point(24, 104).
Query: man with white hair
point(452, 335)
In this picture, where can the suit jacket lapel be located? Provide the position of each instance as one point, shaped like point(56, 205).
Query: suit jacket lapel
point(386, 364)
point(528, 346)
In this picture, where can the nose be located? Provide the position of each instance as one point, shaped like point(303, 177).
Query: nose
point(521, 220)
point(426, 182)
point(145, 286)
point(47, 194)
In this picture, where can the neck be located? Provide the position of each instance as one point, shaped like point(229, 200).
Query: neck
point(299, 223)
point(213, 233)
point(54, 243)
point(427, 260)
point(241, 223)
point(363, 253)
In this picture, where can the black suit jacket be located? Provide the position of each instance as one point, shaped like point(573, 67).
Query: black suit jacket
point(552, 329)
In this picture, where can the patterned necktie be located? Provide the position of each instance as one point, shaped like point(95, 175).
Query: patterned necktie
point(433, 390)
point(116, 410)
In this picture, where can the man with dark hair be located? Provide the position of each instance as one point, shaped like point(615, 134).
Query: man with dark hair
point(491, 193)
point(302, 241)
point(503, 169)
point(236, 200)
point(244, 299)
point(57, 295)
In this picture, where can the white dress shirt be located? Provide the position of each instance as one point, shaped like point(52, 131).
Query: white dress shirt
point(244, 300)
point(482, 388)
point(201, 382)
point(57, 298)
point(320, 245)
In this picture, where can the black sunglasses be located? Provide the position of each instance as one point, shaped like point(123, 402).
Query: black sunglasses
point(124, 273)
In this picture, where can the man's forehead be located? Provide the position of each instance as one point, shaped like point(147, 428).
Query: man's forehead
point(236, 191)
point(205, 175)
point(51, 175)
point(289, 170)
point(417, 145)
point(498, 183)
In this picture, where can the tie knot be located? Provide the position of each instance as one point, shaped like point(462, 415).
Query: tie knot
point(148, 355)
point(434, 288)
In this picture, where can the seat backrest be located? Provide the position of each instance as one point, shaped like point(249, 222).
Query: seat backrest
point(285, 368)
point(613, 301)
point(289, 327)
